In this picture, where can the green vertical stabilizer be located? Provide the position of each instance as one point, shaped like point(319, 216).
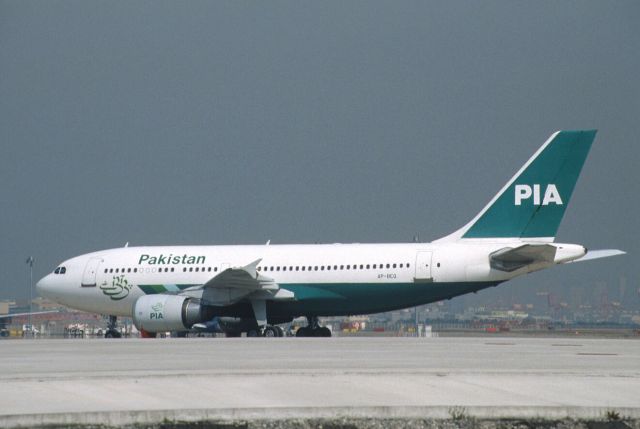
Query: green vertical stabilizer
point(533, 202)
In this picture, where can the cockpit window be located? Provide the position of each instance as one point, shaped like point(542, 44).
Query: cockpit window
point(57, 271)
point(60, 270)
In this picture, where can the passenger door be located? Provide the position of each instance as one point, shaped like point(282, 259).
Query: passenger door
point(90, 271)
point(423, 267)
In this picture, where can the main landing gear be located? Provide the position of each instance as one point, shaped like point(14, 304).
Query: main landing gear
point(313, 329)
point(270, 331)
point(112, 331)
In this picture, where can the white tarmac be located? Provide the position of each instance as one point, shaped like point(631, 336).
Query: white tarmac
point(131, 380)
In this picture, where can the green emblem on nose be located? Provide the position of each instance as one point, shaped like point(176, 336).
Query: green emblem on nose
point(118, 289)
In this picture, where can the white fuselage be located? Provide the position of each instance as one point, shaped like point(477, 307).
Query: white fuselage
point(110, 281)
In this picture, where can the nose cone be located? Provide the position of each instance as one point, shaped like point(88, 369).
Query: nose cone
point(44, 287)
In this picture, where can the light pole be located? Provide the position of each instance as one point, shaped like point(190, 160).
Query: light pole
point(30, 262)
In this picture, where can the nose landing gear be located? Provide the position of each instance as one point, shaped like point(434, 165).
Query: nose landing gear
point(112, 331)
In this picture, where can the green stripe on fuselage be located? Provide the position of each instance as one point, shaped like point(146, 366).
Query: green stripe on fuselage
point(335, 299)
point(155, 289)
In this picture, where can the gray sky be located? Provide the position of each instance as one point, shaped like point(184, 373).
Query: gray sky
point(237, 122)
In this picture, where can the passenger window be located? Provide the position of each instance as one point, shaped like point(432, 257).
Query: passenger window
point(394, 265)
point(135, 270)
point(303, 268)
point(184, 269)
point(117, 269)
point(407, 265)
point(361, 266)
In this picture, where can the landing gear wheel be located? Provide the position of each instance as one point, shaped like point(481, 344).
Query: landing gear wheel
point(253, 333)
point(303, 332)
point(322, 332)
point(270, 331)
point(313, 329)
point(112, 334)
point(280, 331)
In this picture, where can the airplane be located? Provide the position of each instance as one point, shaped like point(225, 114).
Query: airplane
point(252, 289)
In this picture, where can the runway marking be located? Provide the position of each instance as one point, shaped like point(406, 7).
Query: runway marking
point(500, 344)
point(566, 345)
point(597, 354)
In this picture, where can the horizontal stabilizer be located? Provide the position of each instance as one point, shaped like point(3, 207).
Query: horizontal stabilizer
point(510, 258)
point(597, 254)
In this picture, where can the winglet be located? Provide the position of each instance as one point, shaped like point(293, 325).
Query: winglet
point(252, 268)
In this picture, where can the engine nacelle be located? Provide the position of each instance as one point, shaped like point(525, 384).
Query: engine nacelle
point(160, 313)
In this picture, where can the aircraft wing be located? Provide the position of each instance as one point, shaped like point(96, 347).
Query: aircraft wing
point(234, 284)
point(597, 254)
point(512, 258)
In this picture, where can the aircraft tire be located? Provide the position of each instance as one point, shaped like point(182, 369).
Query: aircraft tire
point(303, 332)
point(322, 332)
point(270, 331)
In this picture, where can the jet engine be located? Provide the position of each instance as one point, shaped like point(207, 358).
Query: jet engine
point(159, 313)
